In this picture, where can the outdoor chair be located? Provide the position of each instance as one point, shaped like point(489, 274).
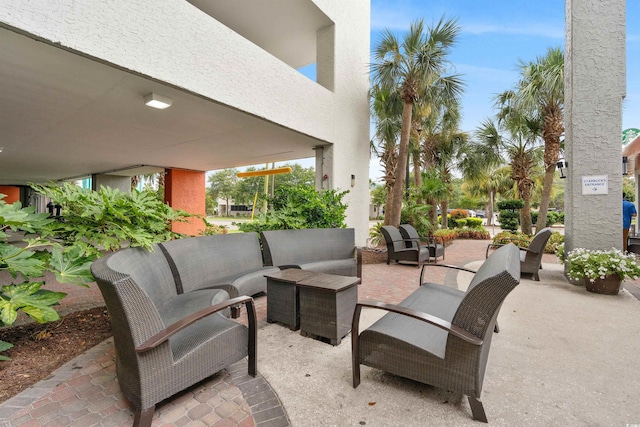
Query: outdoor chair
point(531, 257)
point(166, 342)
point(434, 243)
point(440, 335)
point(402, 250)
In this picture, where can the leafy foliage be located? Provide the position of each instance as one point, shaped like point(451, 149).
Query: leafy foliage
point(301, 207)
point(375, 235)
point(471, 233)
point(93, 222)
point(475, 223)
point(109, 217)
point(519, 239)
point(508, 217)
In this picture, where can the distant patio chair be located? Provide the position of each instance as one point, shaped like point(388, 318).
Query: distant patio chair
point(434, 243)
point(402, 250)
point(531, 257)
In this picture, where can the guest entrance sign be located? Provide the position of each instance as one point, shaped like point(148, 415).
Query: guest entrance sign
point(595, 184)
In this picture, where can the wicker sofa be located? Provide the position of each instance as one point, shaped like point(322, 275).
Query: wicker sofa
point(439, 335)
point(323, 250)
point(232, 262)
point(167, 340)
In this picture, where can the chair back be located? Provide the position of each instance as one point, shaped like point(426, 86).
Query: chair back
point(393, 238)
point(497, 276)
point(540, 240)
point(408, 231)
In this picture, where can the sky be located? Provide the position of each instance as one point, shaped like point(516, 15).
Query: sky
point(495, 36)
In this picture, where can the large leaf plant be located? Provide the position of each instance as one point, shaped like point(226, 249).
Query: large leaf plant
point(93, 222)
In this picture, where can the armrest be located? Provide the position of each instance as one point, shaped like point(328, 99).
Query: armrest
point(433, 320)
point(497, 245)
point(455, 267)
point(492, 246)
point(288, 266)
point(358, 262)
point(176, 327)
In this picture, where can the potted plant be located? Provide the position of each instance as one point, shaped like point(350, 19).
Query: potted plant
point(602, 271)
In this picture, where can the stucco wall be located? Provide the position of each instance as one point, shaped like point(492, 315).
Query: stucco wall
point(595, 86)
point(174, 42)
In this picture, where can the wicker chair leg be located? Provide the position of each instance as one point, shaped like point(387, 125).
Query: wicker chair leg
point(235, 312)
point(496, 328)
point(477, 410)
point(143, 417)
point(536, 277)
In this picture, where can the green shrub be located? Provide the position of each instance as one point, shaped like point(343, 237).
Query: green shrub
point(509, 216)
point(461, 223)
point(301, 207)
point(93, 221)
point(555, 240)
point(519, 239)
point(475, 223)
point(375, 235)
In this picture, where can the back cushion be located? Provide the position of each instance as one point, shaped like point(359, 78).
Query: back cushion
point(285, 247)
point(202, 260)
point(506, 258)
point(150, 271)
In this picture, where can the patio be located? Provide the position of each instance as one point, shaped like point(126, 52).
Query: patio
point(563, 357)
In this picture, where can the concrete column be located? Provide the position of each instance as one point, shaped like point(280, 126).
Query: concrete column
point(11, 192)
point(185, 190)
point(594, 90)
point(122, 183)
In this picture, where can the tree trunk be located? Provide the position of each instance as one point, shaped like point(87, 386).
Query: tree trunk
point(403, 151)
point(546, 195)
point(444, 207)
point(417, 176)
point(489, 209)
point(525, 216)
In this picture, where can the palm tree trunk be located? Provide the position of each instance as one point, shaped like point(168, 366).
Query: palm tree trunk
point(403, 151)
point(444, 207)
point(417, 175)
point(546, 195)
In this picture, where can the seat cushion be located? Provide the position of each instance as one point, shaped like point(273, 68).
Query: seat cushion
point(188, 303)
point(430, 298)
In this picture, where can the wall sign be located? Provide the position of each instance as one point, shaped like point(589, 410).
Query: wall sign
point(595, 184)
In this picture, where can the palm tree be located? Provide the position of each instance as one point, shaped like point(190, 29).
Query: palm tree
point(414, 67)
point(386, 108)
point(488, 181)
point(516, 138)
point(541, 91)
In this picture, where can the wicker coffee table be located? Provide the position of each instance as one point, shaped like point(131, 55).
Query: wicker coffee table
point(327, 303)
point(282, 296)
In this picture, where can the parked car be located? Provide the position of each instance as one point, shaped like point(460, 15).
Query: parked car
point(481, 214)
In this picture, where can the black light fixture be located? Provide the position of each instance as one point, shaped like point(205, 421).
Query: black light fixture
point(562, 167)
point(625, 160)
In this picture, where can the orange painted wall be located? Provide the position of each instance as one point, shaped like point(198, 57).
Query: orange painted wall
point(12, 193)
point(185, 190)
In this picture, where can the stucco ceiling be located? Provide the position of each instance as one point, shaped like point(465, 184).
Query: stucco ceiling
point(63, 115)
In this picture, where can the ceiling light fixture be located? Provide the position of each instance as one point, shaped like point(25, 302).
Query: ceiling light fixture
point(157, 101)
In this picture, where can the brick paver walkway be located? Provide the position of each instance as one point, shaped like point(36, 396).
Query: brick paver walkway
point(85, 391)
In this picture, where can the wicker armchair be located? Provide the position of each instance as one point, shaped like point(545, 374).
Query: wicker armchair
point(439, 335)
point(530, 257)
point(403, 250)
point(165, 342)
point(435, 244)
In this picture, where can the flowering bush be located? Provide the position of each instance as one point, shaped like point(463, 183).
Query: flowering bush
point(591, 264)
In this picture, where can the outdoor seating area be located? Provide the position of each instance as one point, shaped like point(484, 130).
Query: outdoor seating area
point(405, 246)
point(543, 375)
